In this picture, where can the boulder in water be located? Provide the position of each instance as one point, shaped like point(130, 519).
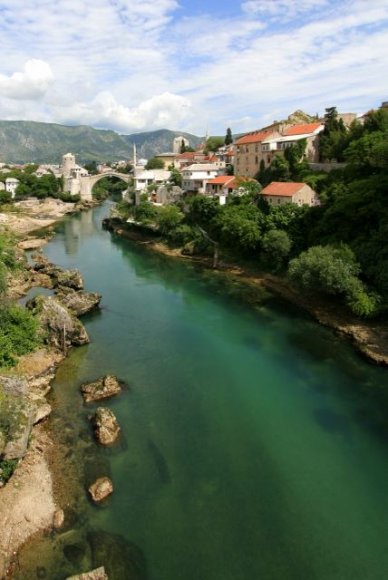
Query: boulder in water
point(101, 489)
point(59, 326)
point(106, 426)
point(102, 388)
point(78, 302)
point(97, 574)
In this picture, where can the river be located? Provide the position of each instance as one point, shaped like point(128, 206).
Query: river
point(254, 442)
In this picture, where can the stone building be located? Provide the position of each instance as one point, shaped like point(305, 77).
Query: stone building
point(279, 192)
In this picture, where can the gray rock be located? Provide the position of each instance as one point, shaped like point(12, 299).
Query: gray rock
point(102, 388)
point(14, 386)
point(21, 419)
point(97, 574)
point(70, 279)
point(59, 326)
point(106, 426)
point(42, 412)
point(101, 489)
point(78, 302)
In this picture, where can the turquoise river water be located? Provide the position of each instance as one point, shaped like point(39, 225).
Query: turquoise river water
point(254, 442)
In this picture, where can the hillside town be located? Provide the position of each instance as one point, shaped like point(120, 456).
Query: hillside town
point(216, 168)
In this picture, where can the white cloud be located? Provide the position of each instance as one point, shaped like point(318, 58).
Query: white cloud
point(32, 83)
point(135, 65)
point(165, 110)
point(281, 8)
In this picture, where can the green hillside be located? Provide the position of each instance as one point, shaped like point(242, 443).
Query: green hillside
point(32, 142)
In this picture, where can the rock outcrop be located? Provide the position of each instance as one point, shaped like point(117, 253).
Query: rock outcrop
point(78, 302)
point(60, 277)
point(17, 416)
point(102, 388)
point(97, 574)
point(60, 328)
point(101, 489)
point(106, 427)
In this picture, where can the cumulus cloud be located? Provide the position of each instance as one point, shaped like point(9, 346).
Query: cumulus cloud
point(165, 110)
point(32, 83)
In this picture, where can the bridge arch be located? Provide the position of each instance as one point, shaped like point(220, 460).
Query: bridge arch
point(89, 181)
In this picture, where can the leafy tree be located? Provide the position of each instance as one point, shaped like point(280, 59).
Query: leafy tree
point(91, 167)
point(155, 163)
point(213, 144)
point(175, 176)
point(333, 139)
point(145, 212)
point(238, 226)
point(169, 217)
point(334, 271)
point(277, 246)
point(228, 137)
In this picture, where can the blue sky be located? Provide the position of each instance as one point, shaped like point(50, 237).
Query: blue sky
point(190, 65)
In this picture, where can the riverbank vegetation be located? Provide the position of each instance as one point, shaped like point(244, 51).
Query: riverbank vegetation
point(337, 249)
point(18, 327)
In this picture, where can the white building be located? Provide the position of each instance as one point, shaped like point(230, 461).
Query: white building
point(196, 176)
point(11, 184)
point(144, 177)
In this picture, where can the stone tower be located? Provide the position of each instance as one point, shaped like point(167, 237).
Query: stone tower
point(68, 164)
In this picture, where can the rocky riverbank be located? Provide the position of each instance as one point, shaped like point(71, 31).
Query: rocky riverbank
point(29, 502)
point(370, 338)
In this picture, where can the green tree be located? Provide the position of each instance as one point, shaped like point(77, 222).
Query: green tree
point(276, 246)
point(238, 226)
point(182, 147)
point(228, 137)
point(145, 212)
point(169, 217)
point(155, 163)
point(175, 176)
point(213, 144)
point(333, 271)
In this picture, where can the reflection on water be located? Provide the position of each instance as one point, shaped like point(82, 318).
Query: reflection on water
point(253, 441)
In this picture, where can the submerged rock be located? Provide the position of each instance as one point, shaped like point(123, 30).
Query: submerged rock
point(120, 558)
point(61, 329)
point(102, 388)
point(100, 489)
point(58, 519)
point(106, 426)
point(97, 574)
point(78, 302)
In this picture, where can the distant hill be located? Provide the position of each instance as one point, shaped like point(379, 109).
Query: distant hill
point(32, 142)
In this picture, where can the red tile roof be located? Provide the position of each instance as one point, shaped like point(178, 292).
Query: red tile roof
point(254, 137)
point(286, 189)
point(301, 129)
point(221, 180)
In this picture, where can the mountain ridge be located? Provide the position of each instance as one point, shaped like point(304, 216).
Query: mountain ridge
point(38, 142)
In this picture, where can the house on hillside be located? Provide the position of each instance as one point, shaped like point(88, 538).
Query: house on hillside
point(258, 148)
point(196, 176)
point(279, 192)
point(144, 177)
point(221, 187)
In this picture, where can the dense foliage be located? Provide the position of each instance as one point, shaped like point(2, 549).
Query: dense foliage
point(18, 328)
point(339, 248)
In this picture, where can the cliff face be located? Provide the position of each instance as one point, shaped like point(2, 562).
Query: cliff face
point(31, 142)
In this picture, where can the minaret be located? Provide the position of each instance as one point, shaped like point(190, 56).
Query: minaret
point(134, 156)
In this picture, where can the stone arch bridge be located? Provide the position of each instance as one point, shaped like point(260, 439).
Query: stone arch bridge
point(87, 182)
